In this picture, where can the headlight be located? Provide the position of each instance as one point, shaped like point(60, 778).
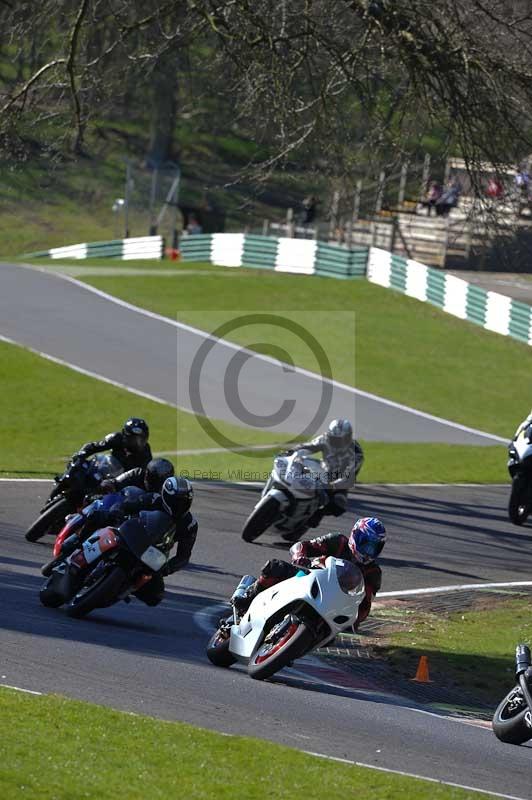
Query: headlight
point(349, 577)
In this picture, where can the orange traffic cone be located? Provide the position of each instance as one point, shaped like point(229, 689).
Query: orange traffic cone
point(422, 674)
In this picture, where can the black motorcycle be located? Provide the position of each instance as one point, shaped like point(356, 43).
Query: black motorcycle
point(81, 478)
point(512, 721)
point(110, 565)
point(520, 469)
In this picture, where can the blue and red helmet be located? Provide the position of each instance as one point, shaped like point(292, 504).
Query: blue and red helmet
point(367, 539)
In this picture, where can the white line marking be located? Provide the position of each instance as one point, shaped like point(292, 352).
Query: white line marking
point(19, 689)
point(462, 587)
point(414, 775)
point(267, 359)
point(205, 450)
point(26, 480)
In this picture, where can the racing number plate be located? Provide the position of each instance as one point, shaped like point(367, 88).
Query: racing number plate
point(154, 558)
point(91, 550)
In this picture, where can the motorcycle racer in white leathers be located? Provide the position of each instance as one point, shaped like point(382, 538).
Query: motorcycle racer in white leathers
point(342, 458)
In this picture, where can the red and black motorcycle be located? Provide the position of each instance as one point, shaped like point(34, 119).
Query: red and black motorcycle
point(110, 565)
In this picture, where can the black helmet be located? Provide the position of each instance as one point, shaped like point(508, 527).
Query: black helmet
point(135, 433)
point(157, 471)
point(177, 494)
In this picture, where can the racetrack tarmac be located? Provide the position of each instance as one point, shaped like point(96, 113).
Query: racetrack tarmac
point(153, 660)
point(69, 321)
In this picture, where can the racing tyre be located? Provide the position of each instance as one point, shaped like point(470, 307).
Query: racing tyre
point(261, 518)
point(49, 597)
point(99, 594)
point(512, 721)
point(518, 508)
point(49, 521)
point(286, 641)
point(218, 650)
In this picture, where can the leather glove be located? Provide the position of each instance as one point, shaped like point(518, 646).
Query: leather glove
point(108, 486)
point(318, 562)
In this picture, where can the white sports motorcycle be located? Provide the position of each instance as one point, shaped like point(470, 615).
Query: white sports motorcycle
point(289, 619)
point(293, 492)
point(520, 469)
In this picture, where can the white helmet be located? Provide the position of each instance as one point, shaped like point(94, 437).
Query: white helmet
point(340, 434)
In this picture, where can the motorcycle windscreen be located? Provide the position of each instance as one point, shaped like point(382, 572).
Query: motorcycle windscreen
point(106, 466)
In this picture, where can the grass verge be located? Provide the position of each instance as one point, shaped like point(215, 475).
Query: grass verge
point(407, 351)
point(98, 752)
point(472, 650)
point(50, 410)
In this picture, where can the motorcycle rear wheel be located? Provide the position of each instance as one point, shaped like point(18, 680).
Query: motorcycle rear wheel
point(100, 594)
point(511, 727)
point(218, 651)
point(260, 519)
point(518, 508)
point(272, 657)
point(51, 518)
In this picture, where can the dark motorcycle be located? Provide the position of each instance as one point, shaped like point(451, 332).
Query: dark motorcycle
point(80, 478)
point(512, 721)
point(110, 565)
point(520, 469)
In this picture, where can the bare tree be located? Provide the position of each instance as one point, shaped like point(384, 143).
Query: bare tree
point(347, 80)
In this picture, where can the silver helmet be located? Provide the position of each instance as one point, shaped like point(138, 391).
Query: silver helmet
point(340, 434)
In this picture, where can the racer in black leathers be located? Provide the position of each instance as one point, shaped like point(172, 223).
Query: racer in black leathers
point(175, 500)
point(364, 544)
point(129, 445)
point(149, 478)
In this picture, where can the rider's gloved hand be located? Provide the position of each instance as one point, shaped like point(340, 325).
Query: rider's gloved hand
point(297, 554)
point(318, 562)
point(108, 486)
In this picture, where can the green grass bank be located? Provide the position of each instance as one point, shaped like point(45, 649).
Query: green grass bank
point(67, 749)
point(49, 411)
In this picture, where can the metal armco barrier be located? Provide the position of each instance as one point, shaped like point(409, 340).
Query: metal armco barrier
point(139, 247)
point(491, 310)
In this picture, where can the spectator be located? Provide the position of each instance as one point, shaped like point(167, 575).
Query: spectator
point(522, 185)
point(494, 189)
point(522, 182)
point(434, 192)
point(308, 210)
point(448, 199)
point(193, 225)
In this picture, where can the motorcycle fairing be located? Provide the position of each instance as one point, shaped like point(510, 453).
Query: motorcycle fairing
point(318, 589)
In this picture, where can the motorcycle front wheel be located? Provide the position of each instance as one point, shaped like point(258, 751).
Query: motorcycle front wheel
point(510, 719)
point(218, 650)
point(518, 507)
point(49, 597)
point(286, 641)
point(99, 594)
point(49, 521)
point(261, 518)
